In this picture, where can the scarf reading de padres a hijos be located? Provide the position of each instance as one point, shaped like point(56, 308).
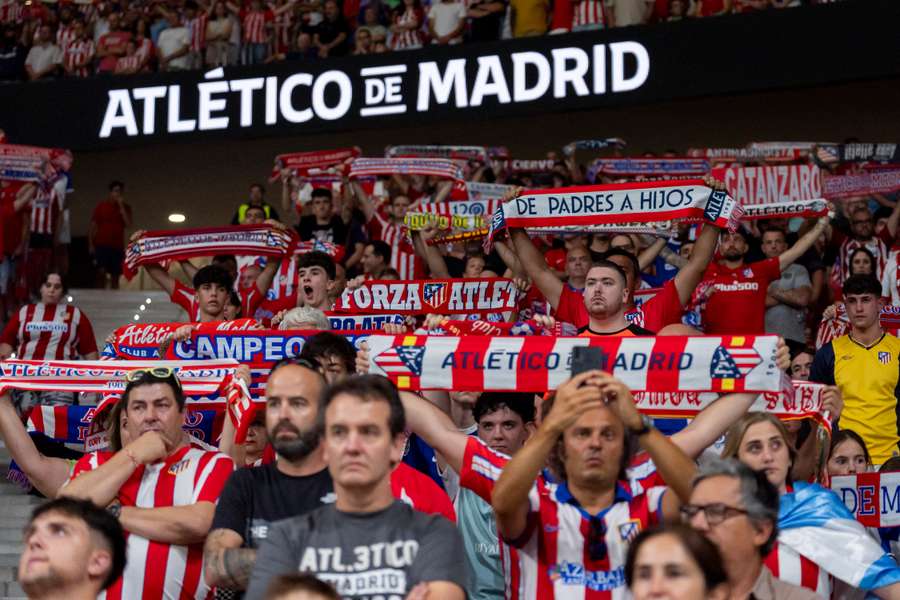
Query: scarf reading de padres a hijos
point(585, 206)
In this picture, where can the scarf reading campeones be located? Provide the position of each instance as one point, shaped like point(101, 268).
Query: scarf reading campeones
point(587, 206)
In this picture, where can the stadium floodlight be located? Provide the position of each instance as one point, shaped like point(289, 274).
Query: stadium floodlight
point(177, 218)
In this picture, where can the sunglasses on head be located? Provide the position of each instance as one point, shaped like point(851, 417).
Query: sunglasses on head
point(139, 375)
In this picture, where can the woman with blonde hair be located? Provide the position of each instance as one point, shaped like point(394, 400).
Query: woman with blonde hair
point(816, 532)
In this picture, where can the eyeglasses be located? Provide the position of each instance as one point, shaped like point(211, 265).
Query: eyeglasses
point(715, 513)
point(154, 373)
point(597, 539)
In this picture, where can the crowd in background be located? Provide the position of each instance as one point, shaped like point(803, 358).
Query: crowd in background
point(42, 40)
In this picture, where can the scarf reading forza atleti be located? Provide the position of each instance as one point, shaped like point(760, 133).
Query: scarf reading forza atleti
point(644, 202)
point(157, 246)
point(440, 296)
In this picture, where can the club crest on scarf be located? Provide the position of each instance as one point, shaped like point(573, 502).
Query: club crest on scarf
point(884, 358)
point(401, 360)
point(733, 362)
point(434, 294)
point(629, 530)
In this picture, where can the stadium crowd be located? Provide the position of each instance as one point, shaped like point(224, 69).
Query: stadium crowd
point(81, 39)
point(341, 482)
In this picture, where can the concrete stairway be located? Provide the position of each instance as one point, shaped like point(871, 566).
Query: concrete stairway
point(110, 309)
point(16, 507)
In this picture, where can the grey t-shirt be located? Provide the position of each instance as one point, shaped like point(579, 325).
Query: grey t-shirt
point(364, 556)
point(785, 320)
point(475, 519)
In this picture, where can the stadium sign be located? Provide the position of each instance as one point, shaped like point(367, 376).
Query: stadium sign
point(467, 82)
point(370, 92)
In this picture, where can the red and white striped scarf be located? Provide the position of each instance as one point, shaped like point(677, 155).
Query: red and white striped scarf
point(476, 153)
point(752, 153)
point(198, 377)
point(435, 167)
point(800, 208)
point(870, 497)
point(630, 167)
point(32, 163)
point(317, 162)
point(178, 244)
point(839, 325)
point(439, 296)
point(881, 181)
point(539, 363)
point(645, 202)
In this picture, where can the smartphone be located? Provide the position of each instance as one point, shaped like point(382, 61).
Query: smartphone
point(585, 358)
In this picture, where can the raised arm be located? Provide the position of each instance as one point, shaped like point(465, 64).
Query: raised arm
point(711, 423)
point(433, 257)
point(47, 474)
point(435, 427)
point(789, 256)
point(691, 273)
point(649, 254)
point(510, 496)
point(536, 267)
point(365, 201)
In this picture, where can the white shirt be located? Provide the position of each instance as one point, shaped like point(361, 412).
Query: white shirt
point(446, 17)
point(172, 40)
point(42, 56)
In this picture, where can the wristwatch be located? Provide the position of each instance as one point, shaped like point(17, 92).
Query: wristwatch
point(646, 426)
point(115, 509)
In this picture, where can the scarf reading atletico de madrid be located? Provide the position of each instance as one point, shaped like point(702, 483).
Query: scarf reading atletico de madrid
point(441, 296)
point(540, 363)
point(157, 246)
point(587, 206)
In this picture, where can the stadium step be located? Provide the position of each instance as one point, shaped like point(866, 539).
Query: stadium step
point(110, 309)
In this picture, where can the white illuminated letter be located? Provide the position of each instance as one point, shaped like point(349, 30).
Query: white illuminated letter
point(246, 87)
point(430, 79)
point(271, 100)
point(119, 113)
point(284, 98)
point(618, 51)
point(521, 60)
point(600, 69)
point(207, 104)
point(489, 81)
point(575, 75)
point(345, 96)
point(149, 96)
point(176, 123)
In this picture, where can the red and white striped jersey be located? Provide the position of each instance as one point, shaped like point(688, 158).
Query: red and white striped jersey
point(65, 36)
point(144, 47)
point(197, 27)
point(876, 245)
point(403, 255)
point(588, 12)
point(411, 38)
point(283, 25)
point(78, 55)
point(49, 332)
point(254, 26)
point(157, 570)
point(12, 12)
point(553, 557)
point(794, 568)
point(47, 205)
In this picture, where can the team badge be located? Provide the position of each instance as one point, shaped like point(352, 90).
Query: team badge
point(434, 294)
point(629, 530)
point(179, 467)
point(733, 363)
point(748, 273)
point(401, 360)
point(884, 358)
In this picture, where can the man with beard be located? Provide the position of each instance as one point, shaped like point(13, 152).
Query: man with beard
point(739, 289)
point(605, 297)
point(297, 482)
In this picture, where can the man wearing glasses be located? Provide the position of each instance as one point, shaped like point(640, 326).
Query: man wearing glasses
point(736, 508)
point(573, 537)
point(163, 490)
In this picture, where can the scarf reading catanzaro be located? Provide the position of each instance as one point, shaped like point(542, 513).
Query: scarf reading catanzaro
point(180, 244)
point(317, 162)
point(436, 167)
point(33, 163)
point(587, 206)
point(541, 363)
point(440, 296)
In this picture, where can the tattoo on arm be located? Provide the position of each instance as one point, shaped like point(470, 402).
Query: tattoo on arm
point(237, 564)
